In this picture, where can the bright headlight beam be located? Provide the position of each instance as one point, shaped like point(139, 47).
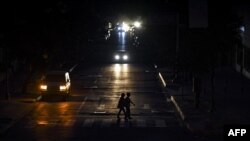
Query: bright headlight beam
point(117, 57)
point(125, 57)
point(62, 88)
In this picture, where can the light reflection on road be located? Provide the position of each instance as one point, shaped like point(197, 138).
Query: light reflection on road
point(49, 111)
point(121, 76)
point(121, 40)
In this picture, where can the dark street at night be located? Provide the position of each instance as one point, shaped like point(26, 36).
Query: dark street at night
point(124, 70)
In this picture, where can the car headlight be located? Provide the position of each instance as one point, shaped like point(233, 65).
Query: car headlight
point(43, 87)
point(117, 57)
point(62, 88)
point(125, 57)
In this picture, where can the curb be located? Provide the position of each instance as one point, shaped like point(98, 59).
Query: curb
point(161, 77)
point(183, 117)
point(162, 80)
point(177, 107)
point(14, 121)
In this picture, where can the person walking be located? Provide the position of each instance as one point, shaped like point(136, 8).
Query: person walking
point(127, 106)
point(120, 106)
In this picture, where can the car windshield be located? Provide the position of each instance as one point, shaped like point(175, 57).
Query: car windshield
point(55, 78)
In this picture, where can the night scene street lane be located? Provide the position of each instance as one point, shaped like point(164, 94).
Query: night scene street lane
point(90, 113)
point(124, 70)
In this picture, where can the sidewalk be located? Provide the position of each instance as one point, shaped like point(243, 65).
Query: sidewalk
point(18, 105)
point(231, 106)
point(20, 85)
point(11, 112)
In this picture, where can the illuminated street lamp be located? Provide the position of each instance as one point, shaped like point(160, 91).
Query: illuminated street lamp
point(137, 24)
point(125, 27)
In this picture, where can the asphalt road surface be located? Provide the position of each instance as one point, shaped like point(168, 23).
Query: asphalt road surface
point(90, 112)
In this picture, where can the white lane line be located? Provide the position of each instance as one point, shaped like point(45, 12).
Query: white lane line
point(101, 107)
point(160, 123)
point(141, 123)
point(146, 106)
point(88, 123)
point(80, 107)
point(100, 112)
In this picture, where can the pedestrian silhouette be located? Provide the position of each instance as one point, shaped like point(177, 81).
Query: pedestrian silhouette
point(120, 106)
point(127, 103)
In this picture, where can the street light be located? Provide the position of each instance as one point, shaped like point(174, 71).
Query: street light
point(125, 27)
point(137, 24)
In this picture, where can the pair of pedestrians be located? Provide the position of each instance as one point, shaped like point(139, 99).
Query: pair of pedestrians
point(124, 106)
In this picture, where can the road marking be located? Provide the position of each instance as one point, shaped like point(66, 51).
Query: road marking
point(106, 122)
point(100, 112)
point(80, 107)
point(101, 107)
point(88, 123)
point(155, 111)
point(146, 106)
point(178, 108)
point(141, 123)
point(160, 123)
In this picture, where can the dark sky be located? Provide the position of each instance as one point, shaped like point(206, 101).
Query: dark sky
point(33, 9)
point(47, 24)
point(39, 11)
point(30, 15)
